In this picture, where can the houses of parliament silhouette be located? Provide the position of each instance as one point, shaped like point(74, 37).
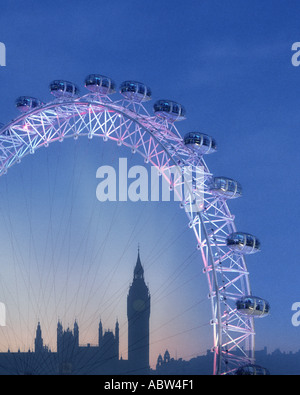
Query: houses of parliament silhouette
point(71, 358)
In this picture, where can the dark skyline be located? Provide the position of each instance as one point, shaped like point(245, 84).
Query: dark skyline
point(71, 357)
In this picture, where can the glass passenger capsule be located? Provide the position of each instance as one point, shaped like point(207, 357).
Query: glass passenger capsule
point(243, 243)
point(63, 89)
point(97, 83)
point(226, 187)
point(135, 91)
point(253, 306)
point(252, 370)
point(169, 110)
point(201, 143)
point(27, 103)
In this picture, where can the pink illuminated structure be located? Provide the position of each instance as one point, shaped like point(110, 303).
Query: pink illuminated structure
point(126, 121)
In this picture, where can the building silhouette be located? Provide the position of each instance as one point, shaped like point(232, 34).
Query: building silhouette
point(103, 358)
point(138, 314)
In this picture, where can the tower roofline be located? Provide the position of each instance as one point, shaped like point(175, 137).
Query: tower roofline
point(138, 270)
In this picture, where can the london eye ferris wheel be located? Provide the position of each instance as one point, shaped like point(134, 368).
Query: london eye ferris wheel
point(126, 121)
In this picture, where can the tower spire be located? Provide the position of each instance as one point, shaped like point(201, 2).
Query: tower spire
point(138, 314)
point(138, 270)
point(38, 341)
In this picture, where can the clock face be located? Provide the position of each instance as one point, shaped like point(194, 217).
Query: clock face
point(139, 305)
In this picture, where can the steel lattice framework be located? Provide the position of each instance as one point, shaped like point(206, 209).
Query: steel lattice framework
point(128, 123)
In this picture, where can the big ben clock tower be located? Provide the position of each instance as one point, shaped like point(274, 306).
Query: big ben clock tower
point(138, 313)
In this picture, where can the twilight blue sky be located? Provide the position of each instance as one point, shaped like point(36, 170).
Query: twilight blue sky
point(229, 63)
